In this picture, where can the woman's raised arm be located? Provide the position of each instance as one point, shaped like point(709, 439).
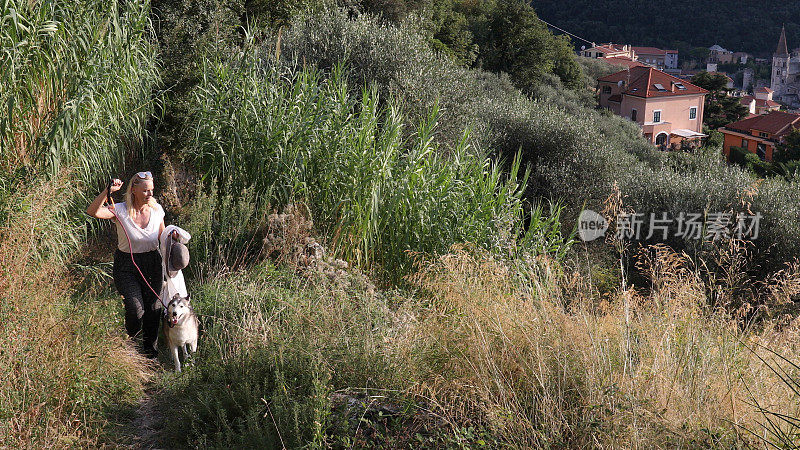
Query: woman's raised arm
point(96, 209)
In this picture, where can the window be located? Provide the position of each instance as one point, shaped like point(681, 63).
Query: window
point(660, 87)
point(762, 134)
point(762, 151)
point(693, 112)
point(680, 86)
point(606, 89)
point(745, 143)
point(657, 116)
point(633, 115)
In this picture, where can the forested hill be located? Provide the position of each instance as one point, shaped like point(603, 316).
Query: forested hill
point(753, 27)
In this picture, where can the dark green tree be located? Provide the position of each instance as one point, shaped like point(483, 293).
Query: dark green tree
point(394, 10)
point(500, 36)
point(451, 33)
point(699, 53)
point(275, 13)
point(520, 44)
point(720, 108)
point(789, 149)
point(567, 69)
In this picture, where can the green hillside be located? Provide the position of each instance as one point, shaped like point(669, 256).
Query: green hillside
point(752, 27)
point(382, 197)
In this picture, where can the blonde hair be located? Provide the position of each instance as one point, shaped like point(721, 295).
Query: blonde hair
point(135, 180)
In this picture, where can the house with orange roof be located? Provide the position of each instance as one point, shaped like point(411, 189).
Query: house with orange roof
point(629, 56)
point(762, 102)
point(668, 109)
point(618, 55)
point(609, 51)
point(759, 134)
point(660, 59)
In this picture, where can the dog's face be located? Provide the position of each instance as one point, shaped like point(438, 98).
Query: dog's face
point(177, 308)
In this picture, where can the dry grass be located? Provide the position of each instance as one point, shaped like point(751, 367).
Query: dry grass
point(63, 363)
point(519, 348)
point(59, 376)
point(656, 370)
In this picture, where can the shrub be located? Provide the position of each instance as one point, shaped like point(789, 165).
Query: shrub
point(576, 153)
point(265, 378)
point(377, 193)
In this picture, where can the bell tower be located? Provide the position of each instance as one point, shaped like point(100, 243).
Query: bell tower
point(780, 66)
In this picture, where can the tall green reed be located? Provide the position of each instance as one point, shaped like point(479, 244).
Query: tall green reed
point(76, 79)
point(377, 192)
point(76, 89)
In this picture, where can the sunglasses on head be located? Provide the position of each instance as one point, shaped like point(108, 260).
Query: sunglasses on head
point(144, 175)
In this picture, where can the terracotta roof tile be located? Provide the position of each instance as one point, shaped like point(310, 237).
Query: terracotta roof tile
point(623, 61)
point(649, 51)
point(776, 123)
point(607, 49)
point(759, 102)
point(642, 81)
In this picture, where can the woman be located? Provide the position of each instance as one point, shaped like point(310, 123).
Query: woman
point(140, 222)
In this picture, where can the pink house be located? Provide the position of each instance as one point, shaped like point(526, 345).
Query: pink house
point(669, 109)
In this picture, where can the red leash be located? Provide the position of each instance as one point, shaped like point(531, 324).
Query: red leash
point(130, 246)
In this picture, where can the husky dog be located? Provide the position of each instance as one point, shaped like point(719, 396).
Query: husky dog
point(180, 328)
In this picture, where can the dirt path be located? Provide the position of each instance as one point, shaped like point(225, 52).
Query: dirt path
point(144, 431)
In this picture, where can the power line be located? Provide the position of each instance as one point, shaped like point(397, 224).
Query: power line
point(567, 32)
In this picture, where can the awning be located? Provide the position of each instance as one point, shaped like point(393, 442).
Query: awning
point(683, 132)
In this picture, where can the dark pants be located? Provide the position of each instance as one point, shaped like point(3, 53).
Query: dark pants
point(142, 306)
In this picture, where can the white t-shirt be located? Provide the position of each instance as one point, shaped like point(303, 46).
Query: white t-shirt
point(142, 239)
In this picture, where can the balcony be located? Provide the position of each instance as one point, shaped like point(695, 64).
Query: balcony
point(656, 128)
